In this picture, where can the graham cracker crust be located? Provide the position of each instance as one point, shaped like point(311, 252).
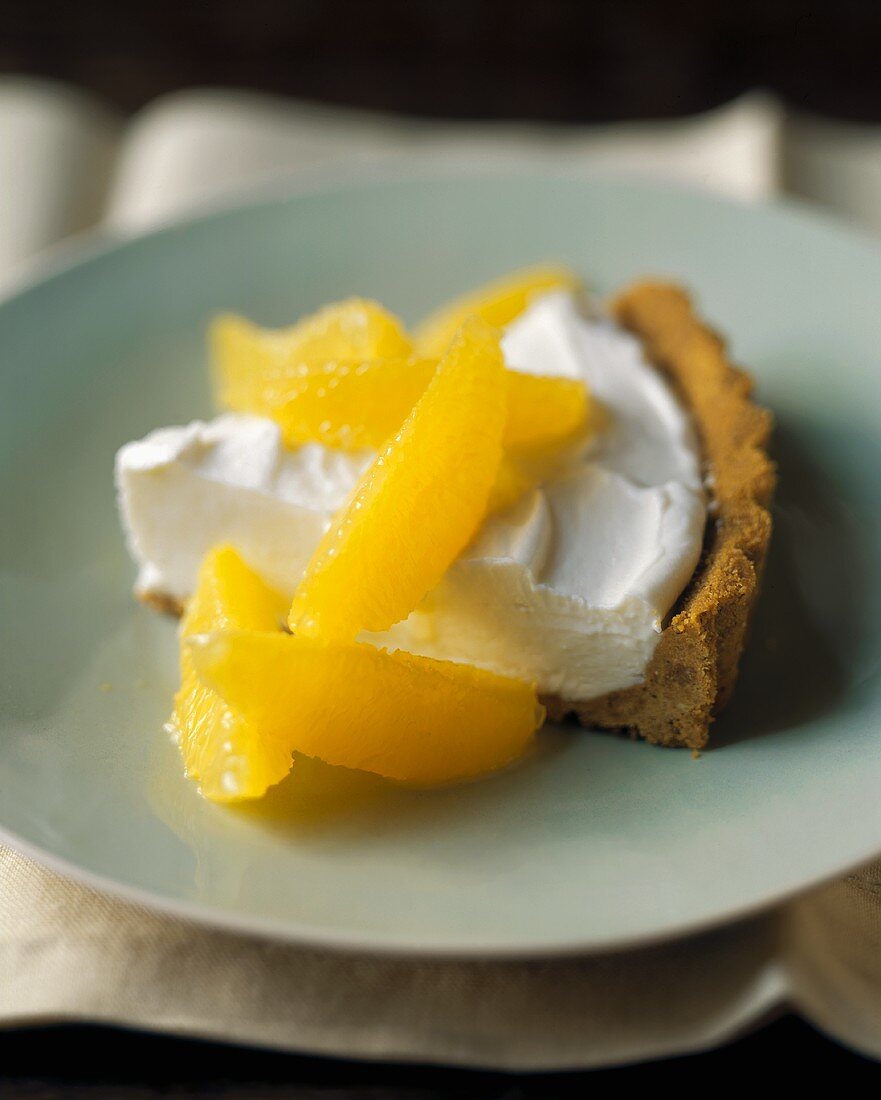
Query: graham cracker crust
point(694, 667)
point(164, 604)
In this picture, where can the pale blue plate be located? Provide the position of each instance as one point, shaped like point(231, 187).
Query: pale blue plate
point(592, 843)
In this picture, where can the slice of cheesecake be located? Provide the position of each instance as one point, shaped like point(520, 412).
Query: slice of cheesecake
point(594, 586)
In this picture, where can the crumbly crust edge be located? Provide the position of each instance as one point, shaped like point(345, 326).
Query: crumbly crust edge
point(165, 605)
point(694, 667)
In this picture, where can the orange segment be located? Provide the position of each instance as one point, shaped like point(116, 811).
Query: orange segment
point(512, 481)
point(229, 758)
point(345, 405)
point(405, 717)
point(524, 470)
point(354, 331)
point(544, 412)
point(497, 303)
point(352, 404)
point(417, 506)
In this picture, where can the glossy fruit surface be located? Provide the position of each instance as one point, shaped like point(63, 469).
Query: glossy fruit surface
point(405, 717)
point(349, 402)
point(226, 756)
point(419, 503)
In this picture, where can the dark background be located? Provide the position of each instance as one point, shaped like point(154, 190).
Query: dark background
point(100, 1064)
point(535, 59)
point(546, 59)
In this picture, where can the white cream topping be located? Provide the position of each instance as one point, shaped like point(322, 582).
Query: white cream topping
point(569, 588)
point(183, 490)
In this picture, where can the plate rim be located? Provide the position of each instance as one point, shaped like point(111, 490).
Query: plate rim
point(89, 245)
point(385, 945)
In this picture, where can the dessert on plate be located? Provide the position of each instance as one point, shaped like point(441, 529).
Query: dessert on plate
point(399, 552)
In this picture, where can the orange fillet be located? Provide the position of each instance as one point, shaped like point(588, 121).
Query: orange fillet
point(417, 506)
point(408, 718)
point(229, 758)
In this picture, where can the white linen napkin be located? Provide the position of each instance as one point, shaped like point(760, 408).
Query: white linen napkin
point(69, 953)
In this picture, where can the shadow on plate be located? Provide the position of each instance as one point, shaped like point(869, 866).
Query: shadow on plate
point(810, 620)
point(317, 797)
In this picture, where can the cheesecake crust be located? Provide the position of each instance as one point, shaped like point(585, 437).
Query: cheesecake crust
point(694, 667)
point(158, 601)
